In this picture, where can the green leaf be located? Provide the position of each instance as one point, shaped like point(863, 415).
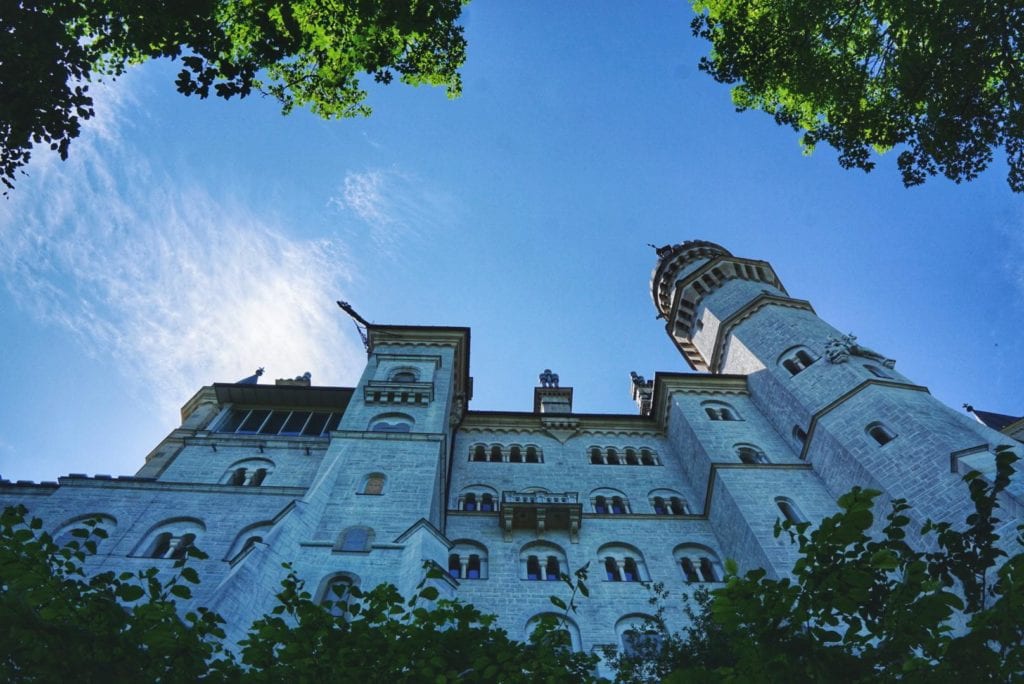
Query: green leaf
point(558, 602)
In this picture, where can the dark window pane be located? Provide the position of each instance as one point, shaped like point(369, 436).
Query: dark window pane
point(255, 419)
point(315, 425)
point(274, 423)
point(295, 422)
point(234, 419)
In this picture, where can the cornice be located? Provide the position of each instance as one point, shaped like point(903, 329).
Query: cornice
point(742, 314)
point(842, 399)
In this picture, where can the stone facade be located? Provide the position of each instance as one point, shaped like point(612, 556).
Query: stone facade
point(369, 483)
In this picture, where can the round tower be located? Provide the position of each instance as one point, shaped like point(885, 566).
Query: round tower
point(841, 406)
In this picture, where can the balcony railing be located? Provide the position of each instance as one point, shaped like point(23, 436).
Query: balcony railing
point(541, 511)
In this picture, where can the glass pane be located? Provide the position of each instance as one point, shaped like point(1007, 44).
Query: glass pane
point(255, 419)
point(274, 423)
point(316, 424)
point(332, 422)
point(295, 422)
point(234, 419)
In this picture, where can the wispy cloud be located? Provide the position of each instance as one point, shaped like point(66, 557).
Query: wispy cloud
point(176, 285)
point(396, 206)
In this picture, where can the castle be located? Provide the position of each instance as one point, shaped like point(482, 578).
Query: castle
point(362, 485)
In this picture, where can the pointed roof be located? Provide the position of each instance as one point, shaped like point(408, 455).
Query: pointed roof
point(996, 421)
point(252, 379)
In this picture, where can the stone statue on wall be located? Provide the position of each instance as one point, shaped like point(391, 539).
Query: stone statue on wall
point(840, 349)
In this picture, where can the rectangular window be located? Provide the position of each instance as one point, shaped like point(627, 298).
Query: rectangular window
point(254, 420)
point(233, 420)
point(316, 424)
point(295, 423)
point(274, 423)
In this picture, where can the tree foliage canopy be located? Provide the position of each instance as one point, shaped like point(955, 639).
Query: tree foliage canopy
point(941, 79)
point(301, 52)
point(863, 609)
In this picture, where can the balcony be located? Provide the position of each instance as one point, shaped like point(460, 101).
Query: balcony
point(380, 392)
point(541, 511)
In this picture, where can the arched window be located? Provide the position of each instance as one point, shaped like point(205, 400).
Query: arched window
point(612, 457)
point(355, 539)
point(647, 457)
point(609, 501)
point(668, 502)
point(542, 561)
point(496, 454)
point(799, 434)
point(170, 539)
point(250, 472)
point(374, 484)
point(467, 560)
point(880, 433)
point(533, 455)
point(796, 359)
point(876, 371)
point(247, 539)
point(631, 457)
point(622, 563)
point(403, 375)
point(698, 563)
point(515, 454)
point(719, 410)
point(596, 457)
point(392, 422)
point(479, 453)
point(562, 632)
point(478, 497)
point(790, 510)
point(641, 636)
point(98, 527)
point(337, 592)
point(750, 454)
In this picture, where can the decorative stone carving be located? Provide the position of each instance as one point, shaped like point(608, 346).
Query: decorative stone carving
point(548, 379)
point(840, 349)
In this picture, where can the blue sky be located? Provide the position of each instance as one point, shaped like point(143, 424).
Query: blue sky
point(187, 242)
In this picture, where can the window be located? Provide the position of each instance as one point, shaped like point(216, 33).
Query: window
point(487, 503)
point(640, 636)
point(648, 458)
point(622, 563)
point(542, 561)
point(511, 453)
point(280, 422)
point(609, 501)
point(799, 434)
point(880, 433)
point(554, 629)
point(515, 454)
point(718, 410)
point(403, 375)
point(467, 560)
point(790, 511)
point(166, 545)
point(595, 456)
point(469, 502)
point(355, 539)
point(698, 563)
point(170, 539)
point(97, 525)
point(796, 359)
point(246, 540)
point(337, 593)
point(876, 371)
point(374, 484)
point(631, 457)
point(248, 473)
point(533, 455)
point(392, 422)
point(750, 454)
point(479, 453)
point(668, 502)
point(496, 454)
point(612, 457)
point(478, 498)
